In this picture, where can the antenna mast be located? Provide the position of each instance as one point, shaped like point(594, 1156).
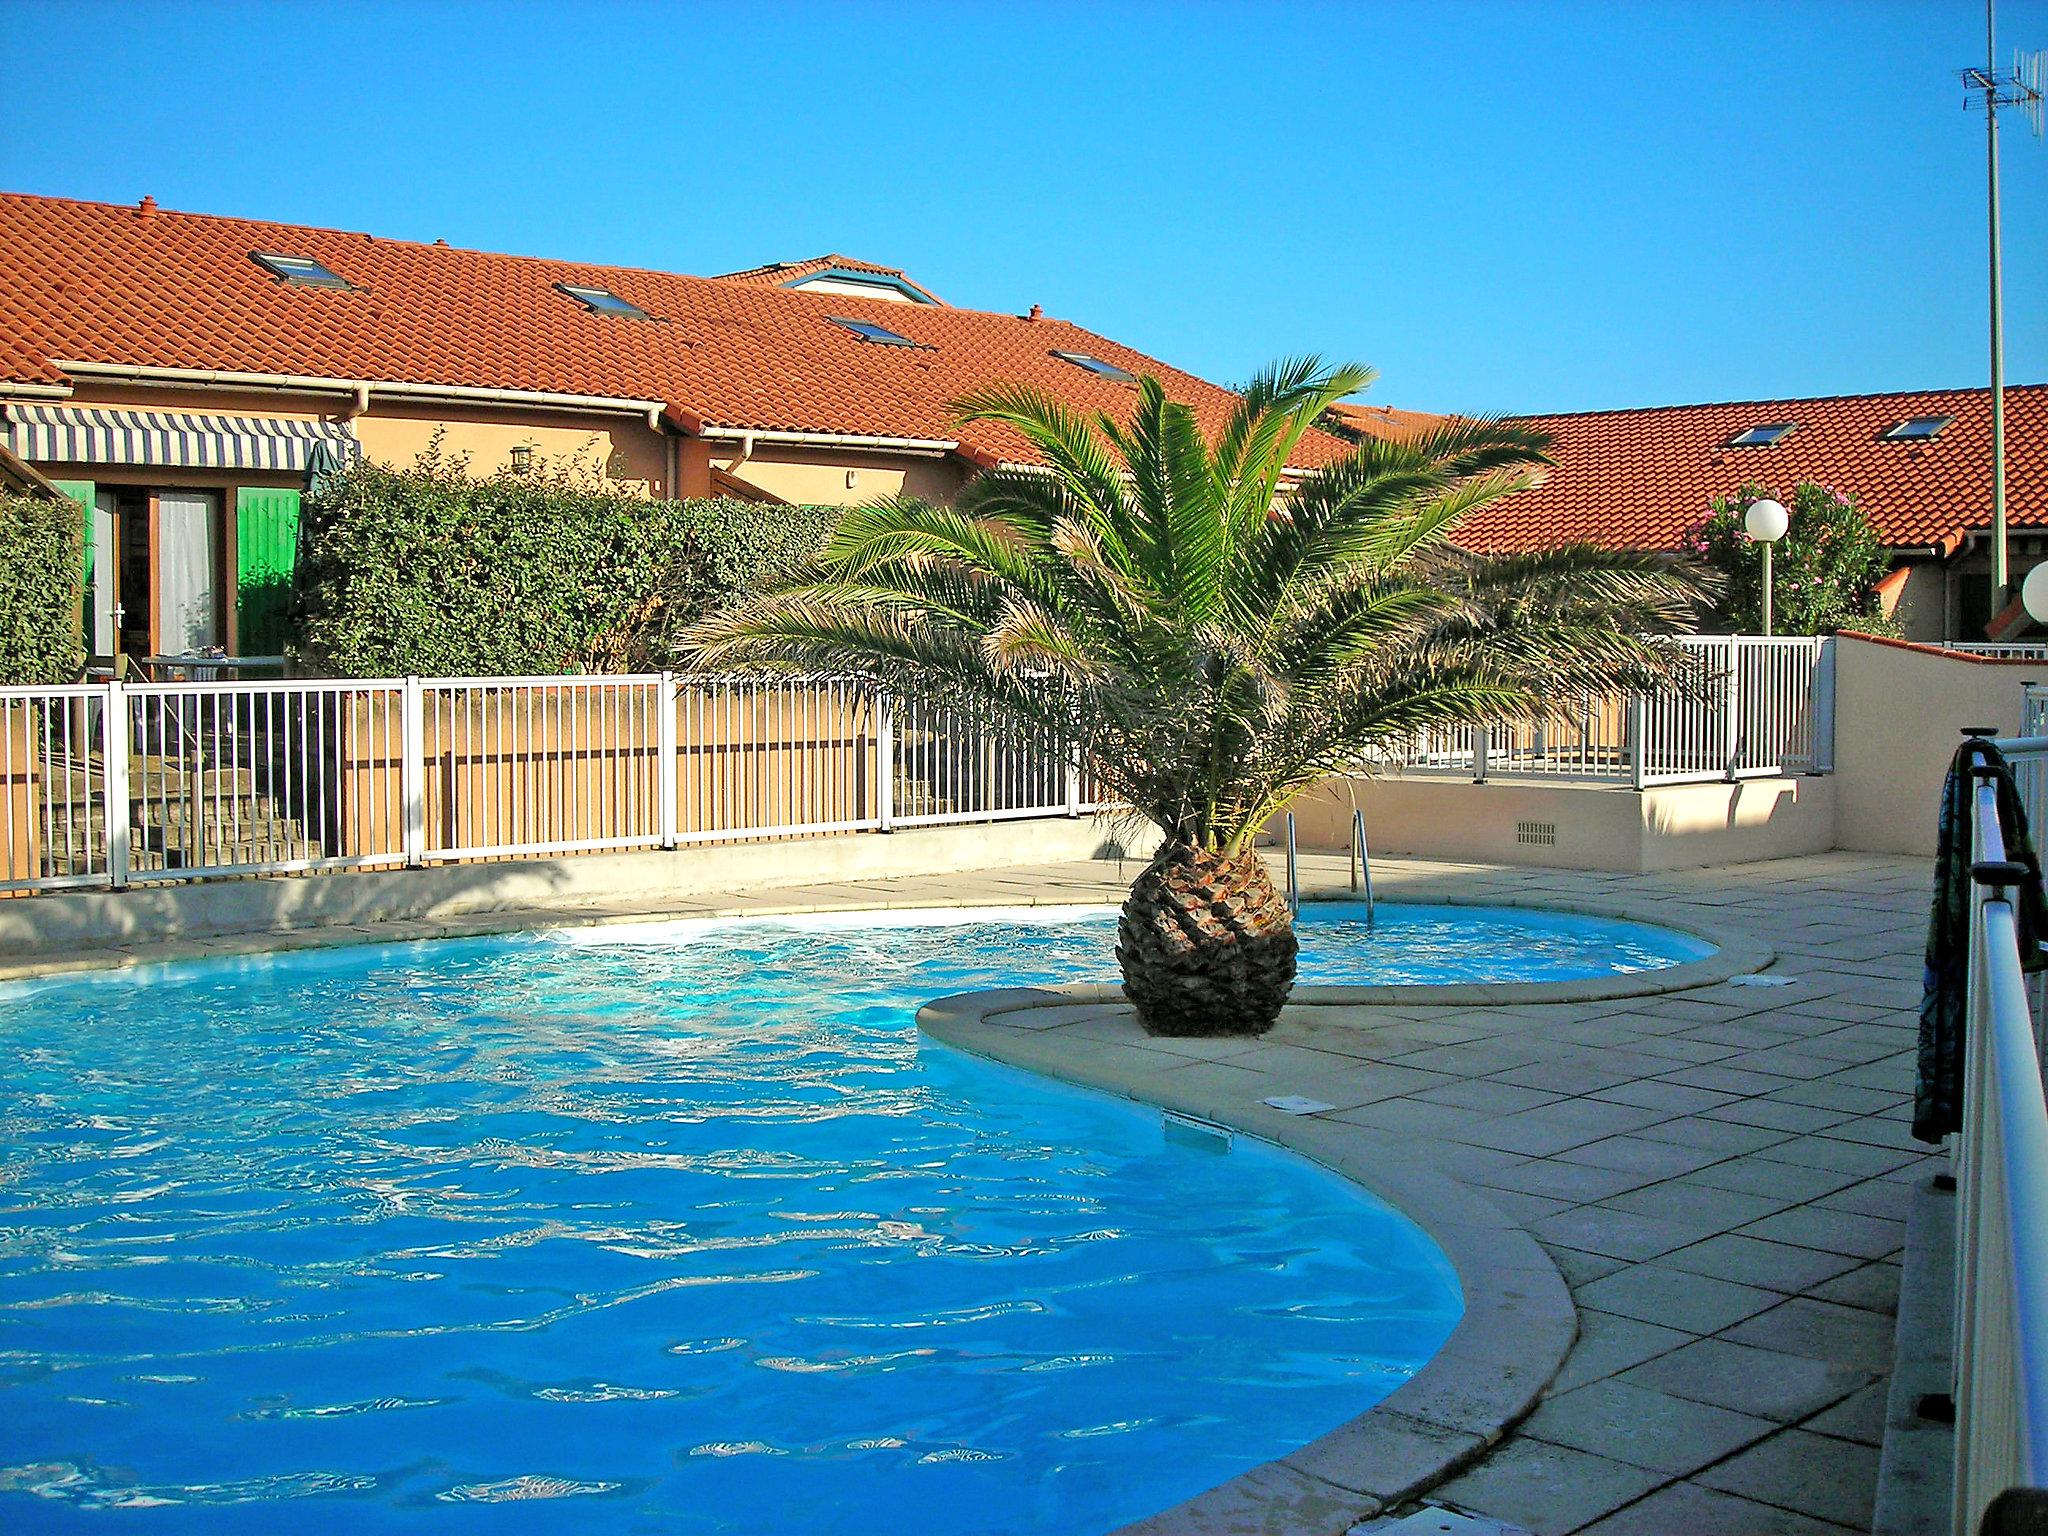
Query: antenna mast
point(2018, 87)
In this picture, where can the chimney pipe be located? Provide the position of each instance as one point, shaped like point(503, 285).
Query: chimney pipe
point(146, 209)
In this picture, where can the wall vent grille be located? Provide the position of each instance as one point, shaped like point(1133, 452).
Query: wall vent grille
point(1542, 834)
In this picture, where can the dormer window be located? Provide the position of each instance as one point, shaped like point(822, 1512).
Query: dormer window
point(867, 330)
point(303, 271)
point(1761, 437)
point(1917, 429)
point(602, 301)
point(1097, 365)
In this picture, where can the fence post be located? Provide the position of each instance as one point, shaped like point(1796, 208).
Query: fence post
point(1482, 748)
point(1638, 741)
point(412, 770)
point(1731, 708)
point(885, 762)
point(1824, 708)
point(114, 782)
point(665, 733)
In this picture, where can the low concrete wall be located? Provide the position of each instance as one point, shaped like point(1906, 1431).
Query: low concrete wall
point(47, 924)
point(1576, 826)
point(1899, 713)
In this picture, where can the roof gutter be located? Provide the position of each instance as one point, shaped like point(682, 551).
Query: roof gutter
point(935, 447)
point(360, 390)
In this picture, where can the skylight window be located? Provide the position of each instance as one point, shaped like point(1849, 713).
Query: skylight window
point(303, 270)
point(866, 330)
point(1918, 429)
point(1094, 364)
point(602, 301)
point(1761, 437)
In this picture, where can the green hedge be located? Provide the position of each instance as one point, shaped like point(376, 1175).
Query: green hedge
point(429, 571)
point(42, 584)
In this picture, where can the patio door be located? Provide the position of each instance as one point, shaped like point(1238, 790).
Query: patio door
point(188, 565)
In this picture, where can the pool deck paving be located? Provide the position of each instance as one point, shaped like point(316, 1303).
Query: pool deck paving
point(1719, 1175)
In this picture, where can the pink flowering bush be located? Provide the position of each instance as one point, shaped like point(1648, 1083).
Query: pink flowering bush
point(1828, 564)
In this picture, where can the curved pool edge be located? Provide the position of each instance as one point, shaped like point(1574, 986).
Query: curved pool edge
point(1735, 954)
point(1517, 1327)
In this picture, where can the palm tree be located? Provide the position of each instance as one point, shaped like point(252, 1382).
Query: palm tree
point(1215, 634)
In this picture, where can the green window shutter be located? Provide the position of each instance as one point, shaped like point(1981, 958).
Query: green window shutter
point(266, 554)
point(83, 492)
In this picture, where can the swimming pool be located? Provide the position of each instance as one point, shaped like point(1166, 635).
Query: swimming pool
point(683, 1225)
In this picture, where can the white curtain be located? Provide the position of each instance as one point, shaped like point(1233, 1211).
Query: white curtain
point(188, 571)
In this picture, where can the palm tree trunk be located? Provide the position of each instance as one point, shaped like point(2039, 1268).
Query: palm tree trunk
point(1206, 943)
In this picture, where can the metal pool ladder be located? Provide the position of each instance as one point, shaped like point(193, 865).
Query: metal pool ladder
point(1293, 870)
point(1361, 861)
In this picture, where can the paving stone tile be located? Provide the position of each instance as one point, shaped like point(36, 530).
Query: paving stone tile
point(1761, 1176)
point(1564, 1181)
point(1725, 1079)
point(1687, 1509)
point(1677, 1298)
point(1640, 1154)
point(1819, 1330)
point(1580, 1269)
point(1609, 1344)
point(1840, 1156)
point(1873, 1287)
point(1755, 1261)
point(1546, 1488)
point(1815, 1226)
point(1618, 1234)
point(1628, 1422)
point(1859, 1416)
point(1700, 1205)
point(1655, 1093)
point(1830, 1093)
point(1884, 1197)
point(1716, 1135)
point(1761, 1382)
point(1411, 1117)
point(1488, 1094)
point(1776, 1115)
point(1815, 1475)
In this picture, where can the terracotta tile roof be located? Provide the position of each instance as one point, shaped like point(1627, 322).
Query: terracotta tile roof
point(1385, 420)
point(779, 274)
point(100, 283)
point(1641, 478)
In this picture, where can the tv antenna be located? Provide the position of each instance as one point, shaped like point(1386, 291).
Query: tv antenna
point(1993, 88)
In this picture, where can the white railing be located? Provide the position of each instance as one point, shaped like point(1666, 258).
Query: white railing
point(115, 784)
point(1764, 707)
point(2003, 650)
point(2001, 1351)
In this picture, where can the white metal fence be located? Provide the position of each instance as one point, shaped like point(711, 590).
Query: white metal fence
point(113, 784)
point(2001, 1350)
point(1764, 707)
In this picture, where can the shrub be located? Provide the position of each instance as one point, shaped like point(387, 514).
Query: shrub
point(1825, 569)
point(428, 570)
point(42, 586)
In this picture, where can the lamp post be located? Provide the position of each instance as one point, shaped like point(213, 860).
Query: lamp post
point(1766, 522)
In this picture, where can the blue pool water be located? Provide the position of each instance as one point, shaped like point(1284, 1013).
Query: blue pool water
point(677, 1230)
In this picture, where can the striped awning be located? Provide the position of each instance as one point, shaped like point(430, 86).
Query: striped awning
point(73, 434)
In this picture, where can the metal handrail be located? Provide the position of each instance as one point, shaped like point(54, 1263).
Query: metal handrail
point(1361, 863)
point(2002, 1190)
point(1293, 869)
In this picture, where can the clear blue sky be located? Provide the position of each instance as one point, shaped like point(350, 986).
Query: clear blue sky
point(1503, 207)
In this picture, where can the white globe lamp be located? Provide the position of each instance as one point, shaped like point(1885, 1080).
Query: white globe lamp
point(1766, 521)
point(2034, 594)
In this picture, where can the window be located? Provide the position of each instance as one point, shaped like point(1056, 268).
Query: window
point(602, 301)
point(880, 335)
point(1761, 437)
point(1917, 429)
point(1096, 365)
point(303, 270)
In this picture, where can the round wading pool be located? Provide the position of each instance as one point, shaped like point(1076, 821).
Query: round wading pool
point(681, 1225)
